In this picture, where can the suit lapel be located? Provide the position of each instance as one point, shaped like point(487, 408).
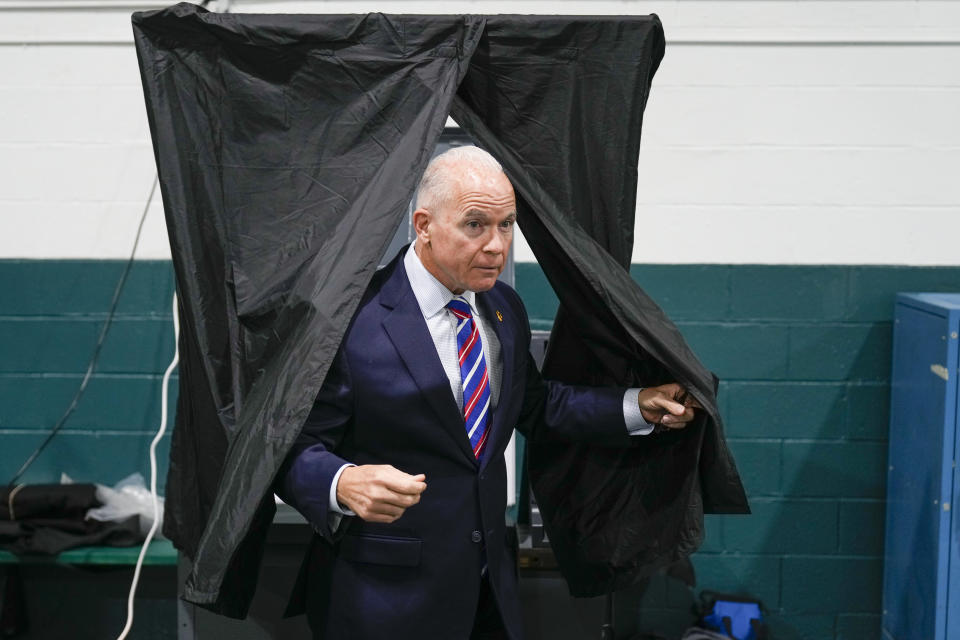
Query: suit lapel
point(489, 308)
point(407, 330)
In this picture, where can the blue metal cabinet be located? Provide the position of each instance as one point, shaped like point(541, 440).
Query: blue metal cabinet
point(921, 582)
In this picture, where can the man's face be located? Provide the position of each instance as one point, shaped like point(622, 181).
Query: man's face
point(465, 245)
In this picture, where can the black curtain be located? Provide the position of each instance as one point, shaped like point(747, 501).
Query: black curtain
point(288, 148)
point(565, 121)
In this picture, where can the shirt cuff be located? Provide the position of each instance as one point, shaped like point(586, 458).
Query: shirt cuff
point(637, 425)
point(335, 507)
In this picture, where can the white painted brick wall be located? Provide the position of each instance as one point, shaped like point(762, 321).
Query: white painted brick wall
point(826, 131)
point(803, 153)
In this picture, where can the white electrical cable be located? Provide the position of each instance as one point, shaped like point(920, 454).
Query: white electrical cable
point(153, 469)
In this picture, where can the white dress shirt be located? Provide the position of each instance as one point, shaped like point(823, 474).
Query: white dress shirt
point(432, 297)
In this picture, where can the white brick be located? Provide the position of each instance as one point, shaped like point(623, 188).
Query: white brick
point(69, 173)
point(68, 65)
point(809, 66)
point(73, 114)
point(798, 176)
point(803, 116)
point(823, 19)
point(799, 235)
point(820, 14)
point(81, 230)
point(64, 25)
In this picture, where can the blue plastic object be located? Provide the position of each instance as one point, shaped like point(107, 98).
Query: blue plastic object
point(921, 592)
point(734, 619)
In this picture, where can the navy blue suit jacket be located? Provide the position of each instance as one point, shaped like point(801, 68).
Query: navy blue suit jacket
point(387, 400)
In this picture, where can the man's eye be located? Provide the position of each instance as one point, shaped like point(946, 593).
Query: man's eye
point(506, 224)
point(473, 224)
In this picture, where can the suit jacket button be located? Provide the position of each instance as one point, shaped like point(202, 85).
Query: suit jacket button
point(476, 536)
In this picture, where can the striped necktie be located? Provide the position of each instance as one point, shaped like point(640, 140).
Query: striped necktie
point(473, 375)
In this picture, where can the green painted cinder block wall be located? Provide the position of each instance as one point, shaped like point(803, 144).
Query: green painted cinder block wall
point(803, 354)
point(51, 313)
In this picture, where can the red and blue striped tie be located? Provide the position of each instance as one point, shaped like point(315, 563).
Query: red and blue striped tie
point(473, 375)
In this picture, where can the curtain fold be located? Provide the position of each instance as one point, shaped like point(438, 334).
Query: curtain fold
point(566, 125)
point(288, 148)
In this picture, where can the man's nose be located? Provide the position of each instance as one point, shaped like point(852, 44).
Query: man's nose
point(495, 243)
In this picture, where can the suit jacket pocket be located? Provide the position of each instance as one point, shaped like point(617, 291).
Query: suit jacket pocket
point(398, 552)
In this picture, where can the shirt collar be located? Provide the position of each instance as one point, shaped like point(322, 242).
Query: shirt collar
point(431, 294)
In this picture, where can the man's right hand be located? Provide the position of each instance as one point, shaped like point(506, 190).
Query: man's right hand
point(379, 492)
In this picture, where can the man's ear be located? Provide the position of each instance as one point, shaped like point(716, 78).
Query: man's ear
point(421, 224)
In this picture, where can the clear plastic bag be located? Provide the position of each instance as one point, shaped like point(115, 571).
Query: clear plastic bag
point(128, 497)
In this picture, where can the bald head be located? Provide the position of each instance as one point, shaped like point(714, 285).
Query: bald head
point(447, 173)
point(464, 219)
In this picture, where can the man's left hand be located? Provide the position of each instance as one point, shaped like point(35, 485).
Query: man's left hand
point(669, 405)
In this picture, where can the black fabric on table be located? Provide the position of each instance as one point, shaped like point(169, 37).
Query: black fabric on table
point(50, 518)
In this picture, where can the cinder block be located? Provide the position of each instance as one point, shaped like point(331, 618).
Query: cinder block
point(59, 115)
point(110, 403)
point(868, 411)
point(853, 626)
point(783, 526)
point(65, 346)
point(872, 288)
point(47, 345)
point(686, 292)
point(66, 287)
point(723, 402)
point(745, 351)
point(840, 352)
point(834, 66)
point(138, 346)
point(84, 457)
point(801, 626)
point(818, 584)
point(788, 292)
point(862, 527)
point(709, 115)
point(108, 24)
point(713, 541)
point(834, 469)
point(70, 65)
point(734, 573)
point(786, 410)
point(708, 238)
point(813, 20)
point(844, 176)
point(119, 171)
point(84, 230)
point(759, 464)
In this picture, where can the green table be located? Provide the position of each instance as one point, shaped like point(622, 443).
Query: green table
point(161, 552)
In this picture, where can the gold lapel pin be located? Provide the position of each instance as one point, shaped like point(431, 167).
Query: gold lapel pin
point(499, 316)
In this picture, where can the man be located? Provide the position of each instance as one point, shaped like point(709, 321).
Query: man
point(400, 464)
